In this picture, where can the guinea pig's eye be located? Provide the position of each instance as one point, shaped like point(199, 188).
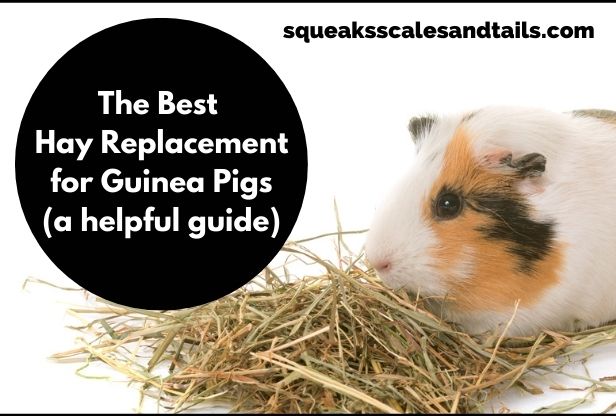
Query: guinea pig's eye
point(448, 206)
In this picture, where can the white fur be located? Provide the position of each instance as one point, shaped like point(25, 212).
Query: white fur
point(578, 192)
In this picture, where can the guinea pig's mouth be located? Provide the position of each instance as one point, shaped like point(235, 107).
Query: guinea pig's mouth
point(415, 283)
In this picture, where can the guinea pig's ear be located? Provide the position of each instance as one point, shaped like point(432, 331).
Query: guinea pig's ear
point(419, 127)
point(528, 165)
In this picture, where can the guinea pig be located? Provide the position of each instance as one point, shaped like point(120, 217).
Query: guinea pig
point(505, 204)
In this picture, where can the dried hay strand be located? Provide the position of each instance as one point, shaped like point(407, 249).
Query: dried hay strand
point(335, 341)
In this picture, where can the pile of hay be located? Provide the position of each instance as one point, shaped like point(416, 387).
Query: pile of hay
point(337, 341)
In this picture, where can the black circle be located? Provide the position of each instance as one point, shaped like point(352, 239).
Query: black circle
point(162, 269)
point(448, 206)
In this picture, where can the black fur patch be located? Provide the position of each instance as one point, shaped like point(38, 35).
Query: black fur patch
point(529, 240)
point(418, 126)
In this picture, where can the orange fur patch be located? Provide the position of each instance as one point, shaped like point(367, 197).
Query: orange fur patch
point(493, 280)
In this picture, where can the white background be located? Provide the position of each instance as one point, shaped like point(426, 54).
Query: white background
point(355, 98)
